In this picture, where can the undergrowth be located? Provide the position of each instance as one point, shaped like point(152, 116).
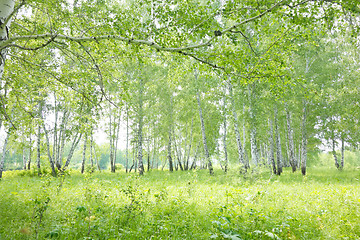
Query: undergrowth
point(181, 205)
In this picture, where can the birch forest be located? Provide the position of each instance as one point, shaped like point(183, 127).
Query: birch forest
point(179, 119)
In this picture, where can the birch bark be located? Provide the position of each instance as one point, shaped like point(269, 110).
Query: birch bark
point(2, 161)
point(236, 128)
point(291, 146)
point(207, 156)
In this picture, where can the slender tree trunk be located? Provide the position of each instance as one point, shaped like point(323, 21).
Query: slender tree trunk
point(2, 161)
point(84, 154)
point(189, 150)
point(7, 8)
point(140, 126)
point(334, 152)
point(62, 136)
point(111, 138)
point(24, 159)
point(224, 134)
point(72, 149)
point(127, 139)
point(342, 153)
point(30, 153)
point(246, 158)
point(55, 134)
point(278, 145)
point(253, 135)
point(271, 146)
point(91, 147)
point(52, 165)
point(38, 149)
point(207, 155)
point(193, 165)
point(291, 145)
point(117, 129)
point(304, 142)
point(148, 154)
point(237, 132)
point(171, 167)
point(178, 153)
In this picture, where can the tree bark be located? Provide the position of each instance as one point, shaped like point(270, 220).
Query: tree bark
point(334, 151)
point(278, 145)
point(38, 149)
point(52, 165)
point(2, 161)
point(189, 150)
point(224, 134)
point(140, 126)
point(237, 132)
point(304, 142)
point(207, 156)
point(84, 154)
point(291, 145)
point(253, 132)
point(7, 9)
point(127, 138)
point(271, 146)
point(342, 153)
point(30, 153)
point(72, 149)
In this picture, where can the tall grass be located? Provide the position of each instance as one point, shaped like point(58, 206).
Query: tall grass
point(182, 205)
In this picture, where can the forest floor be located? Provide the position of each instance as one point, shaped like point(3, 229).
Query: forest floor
point(182, 205)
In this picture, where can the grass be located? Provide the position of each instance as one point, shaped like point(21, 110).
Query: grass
point(182, 205)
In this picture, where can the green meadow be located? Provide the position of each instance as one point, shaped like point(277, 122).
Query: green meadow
point(182, 205)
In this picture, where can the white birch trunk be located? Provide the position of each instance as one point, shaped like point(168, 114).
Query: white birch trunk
point(304, 142)
point(271, 146)
point(291, 146)
point(84, 154)
point(342, 153)
point(127, 139)
point(278, 146)
point(3, 155)
point(224, 135)
point(236, 128)
point(334, 151)
point(207, 156)
point(7, 9)
point(140, 127)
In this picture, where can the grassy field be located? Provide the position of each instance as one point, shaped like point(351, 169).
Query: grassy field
point(182, 205)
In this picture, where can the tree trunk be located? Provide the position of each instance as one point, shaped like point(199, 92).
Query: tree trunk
point(291, 145)
point(178, 153)
point(30, 153)
point(61, 140)
point(253, 135)
point(24, 158)
point(237, 132)
point(2, 161)
point(91, 147)
point(207, 156)
point(278, 145)
point(271, 146)
point(342, 153)
point(127, 139)
point(224, 135)
point(7, 8)
point(189, 150)
point(38, 149)
point(72, 149)
point(84, 154)
point(140, 126)
point(52, 165)
point(334, 152)
point(304, 142)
